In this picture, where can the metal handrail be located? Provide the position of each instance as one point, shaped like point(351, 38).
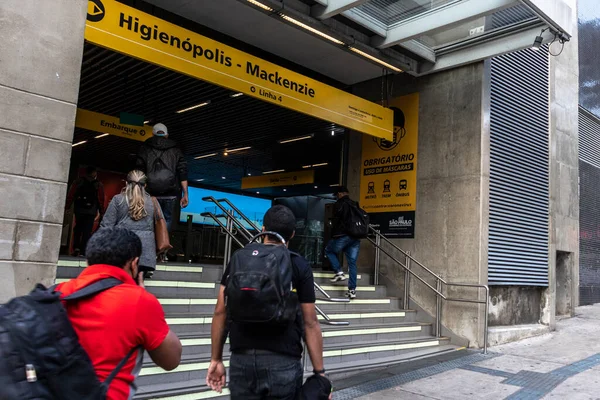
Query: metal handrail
point(439, 282)
point(237, 210)
point(231, 217)
point(216, 219)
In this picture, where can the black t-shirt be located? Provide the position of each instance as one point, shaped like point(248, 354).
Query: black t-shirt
point(284, 340)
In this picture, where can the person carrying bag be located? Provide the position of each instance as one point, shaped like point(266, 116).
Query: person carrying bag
point(136, 210)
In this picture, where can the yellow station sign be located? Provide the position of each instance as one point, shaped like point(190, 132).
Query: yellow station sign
point(103, 123)
point(281, 179)
point(124, 29)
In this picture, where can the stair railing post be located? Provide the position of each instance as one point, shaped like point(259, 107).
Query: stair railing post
point(228, 233)
point(377, 257)
point(438, 310)
point(407, 283)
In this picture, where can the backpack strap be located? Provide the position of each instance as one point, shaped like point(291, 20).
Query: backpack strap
point(93, 289)
point(157, 158)
point(119, 366)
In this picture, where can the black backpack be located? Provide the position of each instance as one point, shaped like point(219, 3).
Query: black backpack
point(356, 222)
point(258, 289)
point(86, 195)
point(40, 354)
point(161, 180)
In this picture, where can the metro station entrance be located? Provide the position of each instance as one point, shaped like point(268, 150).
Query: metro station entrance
point(253, 146)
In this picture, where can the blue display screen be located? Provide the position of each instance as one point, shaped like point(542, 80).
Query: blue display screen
point(253, 207)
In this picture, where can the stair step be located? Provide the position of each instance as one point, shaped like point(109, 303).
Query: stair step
point(185, 391)
point(195, 368)
point(206, 305)
point(348, 368)
point(179, 391)
point(199, 344)
point(200, 323)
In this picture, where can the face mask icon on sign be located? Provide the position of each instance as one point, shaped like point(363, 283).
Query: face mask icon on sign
point(398, 133)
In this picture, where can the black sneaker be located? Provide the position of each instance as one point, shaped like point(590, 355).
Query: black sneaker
point(148, 274)
point(351, 294)
point(338, 277)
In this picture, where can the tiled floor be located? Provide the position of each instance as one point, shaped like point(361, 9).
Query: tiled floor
point(562, 365)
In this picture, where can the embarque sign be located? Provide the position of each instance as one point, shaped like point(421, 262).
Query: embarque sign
point(127, 30)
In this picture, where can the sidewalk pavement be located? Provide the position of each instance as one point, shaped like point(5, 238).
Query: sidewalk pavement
point(564, 364)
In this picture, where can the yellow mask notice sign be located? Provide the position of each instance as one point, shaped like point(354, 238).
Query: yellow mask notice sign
point(281, 179)
point(103, 123)
point(126, 30)
point(388, 183)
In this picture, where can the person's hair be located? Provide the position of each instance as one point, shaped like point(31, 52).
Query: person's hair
point(90, 170)
point(135, 194)
point(340, 190)
point(113, 246)
point(280, 219)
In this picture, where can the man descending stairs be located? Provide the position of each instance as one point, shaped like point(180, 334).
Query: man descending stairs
point(379, 333)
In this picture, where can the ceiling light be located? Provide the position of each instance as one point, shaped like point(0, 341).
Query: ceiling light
point(274, 171)
point(335, 184)
point(285, 190)
point(237, 94)
point(377, 60)
point(147, 122)
point(537, 43)
point(332, 133)
point(193, 107)
point(223, 177)
point(311, 29)
point(225, 153)
point(249, 174)
point(315, 165)
point(199, 180)
point(78, 143)
point(101, 136)
point(261, 5)
point(205, 156)
point(295, 139)
point(316, 187)
point(257, 192)
point(240, 149)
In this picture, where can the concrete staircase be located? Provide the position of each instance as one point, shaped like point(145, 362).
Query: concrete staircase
point(380, 332)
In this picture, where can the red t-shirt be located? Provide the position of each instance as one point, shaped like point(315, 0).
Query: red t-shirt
point(113, 322)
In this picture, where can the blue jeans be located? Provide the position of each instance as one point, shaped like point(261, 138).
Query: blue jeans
point(264, 376)
point(167, 204)
point(350, 247)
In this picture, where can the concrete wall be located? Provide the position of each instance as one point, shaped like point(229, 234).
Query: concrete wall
point(564, 175)
point(42, 44)
point(515, 305)
point(452, 192)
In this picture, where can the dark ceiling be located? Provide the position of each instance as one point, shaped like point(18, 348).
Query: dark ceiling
point(112, 83)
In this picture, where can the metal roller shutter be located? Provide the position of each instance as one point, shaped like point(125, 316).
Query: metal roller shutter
point(589, 207)
point(519, 176)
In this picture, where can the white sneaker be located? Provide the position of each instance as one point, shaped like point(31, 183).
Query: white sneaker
point(351, 294)
point(338, 277)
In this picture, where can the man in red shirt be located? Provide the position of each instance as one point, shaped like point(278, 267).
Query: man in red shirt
point(112, 323)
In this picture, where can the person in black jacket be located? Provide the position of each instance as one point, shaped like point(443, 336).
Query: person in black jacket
point(166, 168)
point(341, 241)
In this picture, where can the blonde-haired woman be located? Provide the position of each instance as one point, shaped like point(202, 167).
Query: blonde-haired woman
point(133, 209)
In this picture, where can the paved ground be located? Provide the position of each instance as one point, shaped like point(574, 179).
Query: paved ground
point(562, 365)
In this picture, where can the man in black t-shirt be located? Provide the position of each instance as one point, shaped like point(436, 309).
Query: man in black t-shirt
point(265, 363)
